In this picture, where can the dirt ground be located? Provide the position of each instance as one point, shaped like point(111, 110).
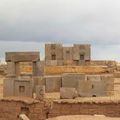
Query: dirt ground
point(83, 117)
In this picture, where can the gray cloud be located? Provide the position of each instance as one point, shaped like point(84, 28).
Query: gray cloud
point(30, 24)
point(69, 21)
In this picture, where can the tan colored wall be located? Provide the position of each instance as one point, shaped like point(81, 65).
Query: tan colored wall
point(53, 70)
point(67, 53)
point(81, 49)
point(10, 110)
point(103, 63)
point(88, 108)
point(57, 51)
point(62, 56)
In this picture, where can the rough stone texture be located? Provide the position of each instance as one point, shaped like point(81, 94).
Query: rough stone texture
point(53, 83)
point(110, 108)
point(40, 80)
point(51, 63)
point(12, 87)
point(8, 87)
point(3, 69)
point(71, 79)
point(89, 85)
point(40, 92)
point(22, 56)
point(34, 110)
point(68, 93)
point(22, 68)
point(67, 55)
point(11, 69)
point(58, 70)
point(108, 63)
point(84, 50)
point(117, 74)
point(26, 90)
point(117, 86)
point(53, 49)
point(96, 85)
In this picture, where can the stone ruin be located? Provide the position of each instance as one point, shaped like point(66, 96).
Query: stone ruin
point(85, 86)
point(65, 69)
point(22, 71)
point(58, 55)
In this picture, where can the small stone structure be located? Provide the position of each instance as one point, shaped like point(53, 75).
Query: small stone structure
point(23, 68)
point(58, 55)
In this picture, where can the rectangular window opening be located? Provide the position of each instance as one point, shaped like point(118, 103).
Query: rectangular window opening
point(82, 57)
point(21, 88)
point(53, 57)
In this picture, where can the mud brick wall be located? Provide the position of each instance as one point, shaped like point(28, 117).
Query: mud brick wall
point(107, 109)
point(10, 110)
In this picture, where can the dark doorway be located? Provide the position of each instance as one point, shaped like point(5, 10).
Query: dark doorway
point(82, 57)
point(53, 57)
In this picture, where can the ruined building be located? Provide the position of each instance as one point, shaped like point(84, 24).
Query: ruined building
point(56, 54)
point(70, 67)
point(23, 68)
point(65, 67)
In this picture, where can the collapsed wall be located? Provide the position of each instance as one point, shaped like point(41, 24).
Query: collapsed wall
point(11, 108)
point(86, 106)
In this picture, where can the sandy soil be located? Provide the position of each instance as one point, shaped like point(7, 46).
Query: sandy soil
point(83, 117)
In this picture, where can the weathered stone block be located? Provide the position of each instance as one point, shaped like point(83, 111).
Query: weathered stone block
point(68, 93)
point(53, 83)
point(8, 87)
point(95, 85)
point(23, 88)
point(40, 92)
point(51, 62)
point(22, 56)
point(71, 79)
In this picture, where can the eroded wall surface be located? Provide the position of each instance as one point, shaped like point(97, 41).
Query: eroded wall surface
point(106, 108)
point(11, 109)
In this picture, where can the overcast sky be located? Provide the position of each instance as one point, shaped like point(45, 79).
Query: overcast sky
point(28, 24)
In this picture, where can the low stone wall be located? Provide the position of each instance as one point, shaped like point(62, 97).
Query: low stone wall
point(10, 109)
point(111, 109)
point(108, 63)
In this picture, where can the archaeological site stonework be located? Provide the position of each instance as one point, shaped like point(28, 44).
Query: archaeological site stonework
point(67, 82)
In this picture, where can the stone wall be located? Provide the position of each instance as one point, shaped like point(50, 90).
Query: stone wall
point(108, 63)
point(82, 49)
point(111, 109)
point(3, 69)
point(58, 55)
point(11, 109)
point(52, 83)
